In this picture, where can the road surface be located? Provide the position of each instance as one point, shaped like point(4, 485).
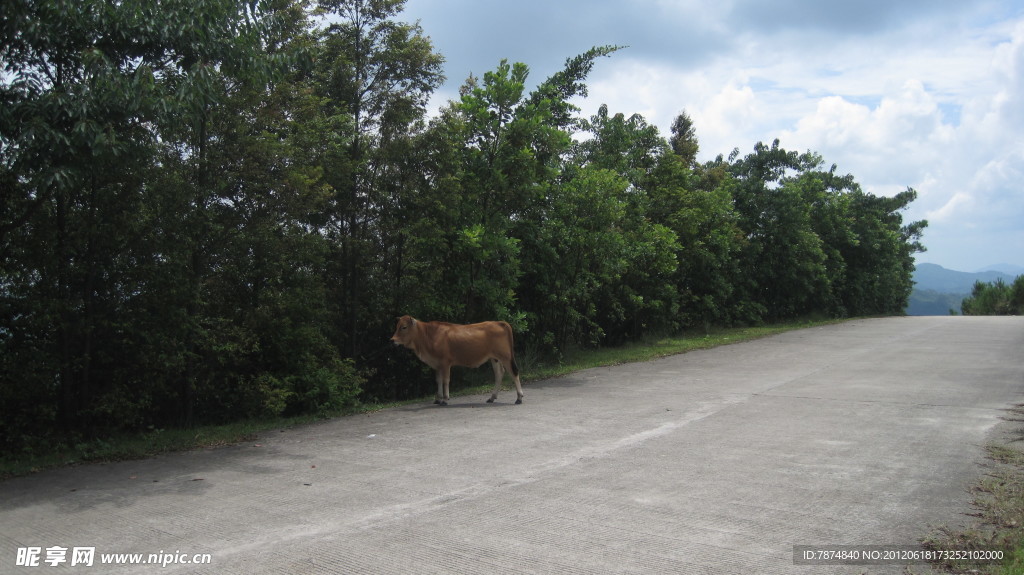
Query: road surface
point(867, 432)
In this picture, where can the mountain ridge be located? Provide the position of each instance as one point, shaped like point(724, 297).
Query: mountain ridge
point(938, 290)
point(1011, 269)
point(942, 280)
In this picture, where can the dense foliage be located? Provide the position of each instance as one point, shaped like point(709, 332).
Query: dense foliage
point(995, 298)
point(215, 209)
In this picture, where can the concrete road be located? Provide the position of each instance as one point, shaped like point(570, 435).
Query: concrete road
point(717, 461)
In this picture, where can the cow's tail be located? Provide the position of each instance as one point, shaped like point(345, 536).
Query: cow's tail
point(511, 350)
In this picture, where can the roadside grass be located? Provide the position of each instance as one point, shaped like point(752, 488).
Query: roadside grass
point(127, 446)
point(157, 441)
point(999, 511)
point(535, 369)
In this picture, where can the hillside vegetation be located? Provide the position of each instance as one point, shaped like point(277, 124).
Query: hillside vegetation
point(940, 291)
point(996, 298)
point(214, 210)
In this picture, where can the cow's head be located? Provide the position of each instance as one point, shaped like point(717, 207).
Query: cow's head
point(404, 331)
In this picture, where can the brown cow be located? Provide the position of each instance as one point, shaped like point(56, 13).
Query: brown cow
point(442, 345)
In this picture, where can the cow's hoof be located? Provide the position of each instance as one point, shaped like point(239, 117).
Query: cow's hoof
point(445, 403)
point(491, 400)
point(437, 402)
point(519, 401)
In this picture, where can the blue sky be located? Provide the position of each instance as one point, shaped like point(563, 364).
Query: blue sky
point(927, 94)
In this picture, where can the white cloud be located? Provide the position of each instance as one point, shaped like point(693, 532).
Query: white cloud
point(720, 108)
point(900, 142)
point(959, 201)
point(999, 185)
point(986, 164)
point(733, 110)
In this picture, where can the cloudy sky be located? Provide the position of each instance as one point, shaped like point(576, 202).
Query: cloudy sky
point(927, 94)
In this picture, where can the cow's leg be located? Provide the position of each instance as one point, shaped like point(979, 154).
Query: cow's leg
point(440, 398)
point(447, 380)
point(519, 389)
point(498, 373)
point(444, 375)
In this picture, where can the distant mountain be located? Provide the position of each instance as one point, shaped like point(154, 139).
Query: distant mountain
point(938, 290)
point(1005, 268)
point(937, 278)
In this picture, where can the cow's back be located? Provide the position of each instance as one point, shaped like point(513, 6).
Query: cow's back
point(473, 344)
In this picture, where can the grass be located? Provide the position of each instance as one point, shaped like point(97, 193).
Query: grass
point(155, 442)
point(999, 511)
point(646, 350)
point(150, 443)
point(129, 446)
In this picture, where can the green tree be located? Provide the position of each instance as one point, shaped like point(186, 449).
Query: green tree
point(827, 196)
point(1017, 296)
point(265, 297)
point(89, 90)
point(784, 265)
point(696, 203)
point(222, 183)
point(816, 242)
point(995, 298)
point(212, 209)
point(575, 254)
point(684, 140)
point(644, 296)
point(492, 159)
point(379, 73)
point(880, 263)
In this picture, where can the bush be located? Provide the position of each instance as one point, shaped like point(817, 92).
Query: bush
point(326, 389)
point(995, 298)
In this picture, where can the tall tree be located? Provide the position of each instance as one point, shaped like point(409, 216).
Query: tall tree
point(696, 203)
point(880, 264)
point(645, 297)
point(576, 253)
point(88, 89)
point(380, 73)
point(684, 140)
point(784, 265)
